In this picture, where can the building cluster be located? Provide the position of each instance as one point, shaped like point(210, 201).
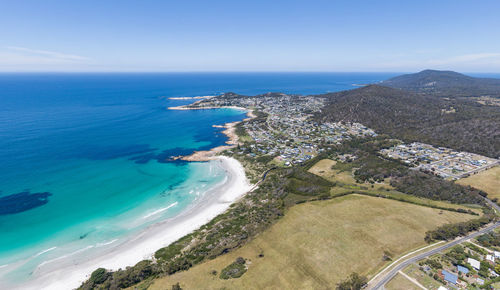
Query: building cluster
point(289, 131)
point(466, 266)
point(443, 162)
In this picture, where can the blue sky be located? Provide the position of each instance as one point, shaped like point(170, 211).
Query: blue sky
point(272, 35)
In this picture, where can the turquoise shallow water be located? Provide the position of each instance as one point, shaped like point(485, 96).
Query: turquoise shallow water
point(85, 156)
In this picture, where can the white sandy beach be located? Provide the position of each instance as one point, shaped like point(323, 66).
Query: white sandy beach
point(214, 202)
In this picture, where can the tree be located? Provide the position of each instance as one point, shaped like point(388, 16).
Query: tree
point(99, 276)
point(354, 282)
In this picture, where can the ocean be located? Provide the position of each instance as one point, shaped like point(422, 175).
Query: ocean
point(86, 157)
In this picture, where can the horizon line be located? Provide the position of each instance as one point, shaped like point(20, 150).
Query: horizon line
point(231, 71)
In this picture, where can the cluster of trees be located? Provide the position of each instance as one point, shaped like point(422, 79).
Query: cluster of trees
point(98, 277)
point(376, 169)
point(301, 182)
point(491, 239)
point(368, 164)
point(432, 187)
point(354, 282)
point(458, 256)
point(451, 231)
point(400, 198)
point(103, 279)
point(234, 270)
point(433, 263)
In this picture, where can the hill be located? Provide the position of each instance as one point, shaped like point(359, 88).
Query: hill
point(456, 123)
point(445, 84)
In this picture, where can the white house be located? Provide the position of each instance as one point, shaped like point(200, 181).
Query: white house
point(490, 258)
point(497, 254)
point(474, 263)
point(493, 273)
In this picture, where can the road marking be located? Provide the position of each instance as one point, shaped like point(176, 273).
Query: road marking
point(412, 280)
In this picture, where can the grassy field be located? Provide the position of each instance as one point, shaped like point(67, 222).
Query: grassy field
point(488, 181)
point(317, 244)
point(399, 282)
point(422, 278)
point(423, 201)
point(346, 184)
point(324, 169)
point(342, 174)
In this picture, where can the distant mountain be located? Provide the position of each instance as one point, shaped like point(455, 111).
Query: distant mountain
point(445, 84)
point(456, 123)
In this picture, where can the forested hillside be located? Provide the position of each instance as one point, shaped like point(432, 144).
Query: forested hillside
point(445, 84)
point(455, 123)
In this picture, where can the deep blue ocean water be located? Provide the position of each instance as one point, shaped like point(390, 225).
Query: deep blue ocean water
point(85, 157)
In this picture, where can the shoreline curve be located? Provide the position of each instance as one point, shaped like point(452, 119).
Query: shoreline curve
point(143, 246)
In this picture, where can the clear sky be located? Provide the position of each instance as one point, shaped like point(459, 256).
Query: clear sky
point(254, 35)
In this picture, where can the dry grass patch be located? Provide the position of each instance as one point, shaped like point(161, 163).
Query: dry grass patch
point(318, 244)
point(422, 278)
point(488, 181)
point(324, 169)
point(400, 282)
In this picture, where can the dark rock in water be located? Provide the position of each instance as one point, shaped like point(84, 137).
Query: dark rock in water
point(174, 185)
point(23, 201)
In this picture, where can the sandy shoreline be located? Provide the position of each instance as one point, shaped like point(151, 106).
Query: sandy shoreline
point(140, 247)
point(229, 131)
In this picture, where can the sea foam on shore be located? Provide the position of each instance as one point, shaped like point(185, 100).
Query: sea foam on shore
point(142, 246)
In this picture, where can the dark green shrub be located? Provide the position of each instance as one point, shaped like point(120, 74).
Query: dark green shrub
point(234, 270)
point(99, 276)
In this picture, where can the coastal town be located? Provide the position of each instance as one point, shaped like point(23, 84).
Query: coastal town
point(287, 132)
point(286, 129)
point(444, 162)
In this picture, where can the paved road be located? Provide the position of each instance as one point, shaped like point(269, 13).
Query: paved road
point(265, 173)
point(493, 204)
point(262, 179)
point(390, 274)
